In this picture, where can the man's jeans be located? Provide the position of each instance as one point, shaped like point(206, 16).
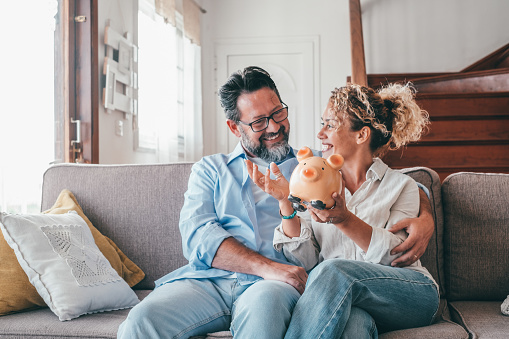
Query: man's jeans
point(190, 307)
point(346, 296)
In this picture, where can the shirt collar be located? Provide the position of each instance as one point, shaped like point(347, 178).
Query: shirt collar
point(239, 152)
point(377, 170)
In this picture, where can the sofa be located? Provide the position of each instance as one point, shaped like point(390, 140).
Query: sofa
point(138, 206)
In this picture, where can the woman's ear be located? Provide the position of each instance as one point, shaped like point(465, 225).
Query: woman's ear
point(363, 135)
point(234, 127)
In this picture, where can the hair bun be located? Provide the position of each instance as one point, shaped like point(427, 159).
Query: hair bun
point(388, 104)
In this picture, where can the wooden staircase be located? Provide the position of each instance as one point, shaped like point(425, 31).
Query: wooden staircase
point(469, 112)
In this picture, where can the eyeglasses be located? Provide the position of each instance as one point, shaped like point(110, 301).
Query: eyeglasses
point(262, 123)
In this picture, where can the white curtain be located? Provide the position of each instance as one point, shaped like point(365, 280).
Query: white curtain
point(172, 129)
point(193, 131)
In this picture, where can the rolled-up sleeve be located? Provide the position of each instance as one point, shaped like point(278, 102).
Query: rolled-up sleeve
point(201, 232)
point(302, 250)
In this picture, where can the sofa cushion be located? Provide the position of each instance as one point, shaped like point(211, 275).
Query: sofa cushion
point(128, 270)
point(137, 206)
point(476, 249)
point(482, 319)
point(442, 329)
point(43, 324)
point(62, 261)
point(432, 259)
point(16, 291)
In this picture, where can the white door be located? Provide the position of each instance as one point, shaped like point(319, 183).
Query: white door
point(293, 65)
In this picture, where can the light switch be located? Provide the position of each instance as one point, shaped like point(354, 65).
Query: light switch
point(119, 128)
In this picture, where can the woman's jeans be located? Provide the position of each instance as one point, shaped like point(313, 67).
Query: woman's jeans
point(344, 296)
point(190, 307)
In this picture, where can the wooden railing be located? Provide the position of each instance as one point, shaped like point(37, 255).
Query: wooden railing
point(357, 44)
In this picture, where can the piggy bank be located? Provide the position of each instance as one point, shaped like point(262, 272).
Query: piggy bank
point(314, 180)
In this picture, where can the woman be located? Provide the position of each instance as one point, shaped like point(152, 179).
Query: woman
point(352, 290)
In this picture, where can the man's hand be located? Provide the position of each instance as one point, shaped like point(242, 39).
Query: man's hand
point(235, 257)
point(419, 232)
point(279, 188)
point(292, 275)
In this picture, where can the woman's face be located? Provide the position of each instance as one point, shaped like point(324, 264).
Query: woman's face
point(335, 135)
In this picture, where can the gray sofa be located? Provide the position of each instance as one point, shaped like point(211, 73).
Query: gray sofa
point(138, 207)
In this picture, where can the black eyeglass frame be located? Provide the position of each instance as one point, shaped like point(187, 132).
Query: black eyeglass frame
point(285, 107)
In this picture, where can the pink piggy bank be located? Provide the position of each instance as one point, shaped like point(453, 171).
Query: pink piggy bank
point(314, 180)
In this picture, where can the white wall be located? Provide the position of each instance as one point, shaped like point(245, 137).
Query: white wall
point(232, 19)
point(399, 36)
point(431, 35)
point(115, 149)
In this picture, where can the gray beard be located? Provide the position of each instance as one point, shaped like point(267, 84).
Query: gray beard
point(276, 153)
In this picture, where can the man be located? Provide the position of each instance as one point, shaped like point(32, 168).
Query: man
point(235, 279)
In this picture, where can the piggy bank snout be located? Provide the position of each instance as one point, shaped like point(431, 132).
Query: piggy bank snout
point(309, 174)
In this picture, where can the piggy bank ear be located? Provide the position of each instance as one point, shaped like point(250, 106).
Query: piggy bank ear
point(303, 153)
point(335, 161)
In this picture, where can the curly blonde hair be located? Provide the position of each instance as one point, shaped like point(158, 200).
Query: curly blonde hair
point(392, 114)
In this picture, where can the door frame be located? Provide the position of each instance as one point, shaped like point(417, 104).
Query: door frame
point(77, 82)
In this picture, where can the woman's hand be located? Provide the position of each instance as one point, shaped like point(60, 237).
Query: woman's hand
point(279, 188)
point(337, 214)
point(344, 220)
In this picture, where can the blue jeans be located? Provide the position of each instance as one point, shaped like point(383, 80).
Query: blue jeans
point(347, 295)
point(192, 307)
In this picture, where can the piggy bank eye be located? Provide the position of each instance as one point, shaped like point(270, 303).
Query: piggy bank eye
point(323, 169)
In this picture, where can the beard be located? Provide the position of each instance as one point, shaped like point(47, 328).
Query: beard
point(276, 153)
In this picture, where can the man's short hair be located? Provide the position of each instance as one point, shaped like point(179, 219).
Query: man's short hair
point(248, 80)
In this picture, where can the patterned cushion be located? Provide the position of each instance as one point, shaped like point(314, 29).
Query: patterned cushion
point(61, 260)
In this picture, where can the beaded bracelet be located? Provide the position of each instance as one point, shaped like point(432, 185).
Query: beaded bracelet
point(289, 216)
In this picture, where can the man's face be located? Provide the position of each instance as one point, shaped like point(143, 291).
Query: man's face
point(270, 144)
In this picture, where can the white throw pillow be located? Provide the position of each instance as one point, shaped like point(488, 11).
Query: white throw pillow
point(505, 306)
point(62, 261)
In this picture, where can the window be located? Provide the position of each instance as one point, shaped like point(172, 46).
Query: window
point(27, 137)
point(169, 88)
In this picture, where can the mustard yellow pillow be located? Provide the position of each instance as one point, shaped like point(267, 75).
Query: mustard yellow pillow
point(16, 292)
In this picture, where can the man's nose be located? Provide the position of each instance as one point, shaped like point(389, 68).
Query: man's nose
point(273, 126)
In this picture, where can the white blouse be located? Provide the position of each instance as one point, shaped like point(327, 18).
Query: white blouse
point(386, 197)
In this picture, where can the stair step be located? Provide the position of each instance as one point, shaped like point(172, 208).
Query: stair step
point(445, 159)
point(467, 132)
point(496, 80)
point(450, 106)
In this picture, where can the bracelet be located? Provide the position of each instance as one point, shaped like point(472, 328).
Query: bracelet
point(289, 216)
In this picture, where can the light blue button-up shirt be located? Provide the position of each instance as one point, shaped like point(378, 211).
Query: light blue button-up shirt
point(219, 204)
